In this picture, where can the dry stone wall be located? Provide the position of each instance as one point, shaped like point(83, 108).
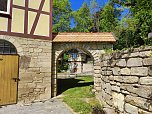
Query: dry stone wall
point(126, 81)
point(34, 68)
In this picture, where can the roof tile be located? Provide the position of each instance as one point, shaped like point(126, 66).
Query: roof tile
point(84, 37)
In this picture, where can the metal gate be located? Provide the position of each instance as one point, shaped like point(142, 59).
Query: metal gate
point(8, 79)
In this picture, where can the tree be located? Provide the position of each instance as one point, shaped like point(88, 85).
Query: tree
point(95, 10)
point(140, 18)
point(108, 18)
point(82, 19)
point(134, 28)
point(61, 15)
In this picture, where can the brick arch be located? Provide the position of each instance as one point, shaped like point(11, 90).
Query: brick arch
point(93, 49)
point(15, 43)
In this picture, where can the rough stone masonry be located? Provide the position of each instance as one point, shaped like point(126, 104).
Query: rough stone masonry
point(126, 81)
point(34, 68)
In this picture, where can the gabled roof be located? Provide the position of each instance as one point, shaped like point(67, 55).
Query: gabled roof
point(84, 37)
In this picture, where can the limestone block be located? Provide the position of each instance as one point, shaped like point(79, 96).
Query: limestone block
point(130, 79)
point(31, 85)
point(44, 64)
point(139, 71)
point(111, 78)
point(113, 83)
point(113, 63)
point(105, 63)
point(105, 78)
point(131, 109)
point(115, 88)
point(125, 71)
point(47, 79)
point(98, 88)
point(96, 71)
point(45, 69)
point(118, 78)
point(27, 78)
point(135, 54)
point(125, 92)
point(97, 75)
point(97, 67)
point(140, 111)
point(145, 53)
point(108, 88)
point(107, 98)
point(118, 100)
point(46, 50)
point(132, 62)
point(125, 55)
point(121, 63)
point(116, 71)
point(108, 73)
point(109, 111)
point(140, 90)
point(139, 102)
point(146, 80)
point(150, 70)
point(147, 61)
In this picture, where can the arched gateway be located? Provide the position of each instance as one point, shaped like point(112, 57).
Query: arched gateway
point(93, 44)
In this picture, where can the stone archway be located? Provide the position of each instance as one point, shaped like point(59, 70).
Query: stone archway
point(94, 49)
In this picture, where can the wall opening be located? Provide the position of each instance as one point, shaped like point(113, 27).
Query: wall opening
point(70, 64)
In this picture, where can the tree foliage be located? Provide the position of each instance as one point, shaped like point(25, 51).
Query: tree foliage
point(61, 15)
point(82, 19)
point(109, 18)
point(138, 22)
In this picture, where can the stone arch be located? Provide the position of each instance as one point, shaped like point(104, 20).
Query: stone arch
point(91, 49)
point(14, 42)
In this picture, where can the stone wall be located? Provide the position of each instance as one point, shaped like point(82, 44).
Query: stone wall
point(126, 81)
point(94, 49)
point(34, 68)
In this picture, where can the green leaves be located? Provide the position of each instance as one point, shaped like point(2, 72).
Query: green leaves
point(108, 19)
point(134, 28)
point(61, 15)
point(82, 19)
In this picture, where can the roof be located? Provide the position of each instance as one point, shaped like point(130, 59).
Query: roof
point(84, 37)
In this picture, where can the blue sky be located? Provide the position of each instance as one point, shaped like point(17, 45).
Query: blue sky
point(76, 4)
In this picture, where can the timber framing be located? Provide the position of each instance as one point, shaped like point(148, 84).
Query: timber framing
point(28, 33)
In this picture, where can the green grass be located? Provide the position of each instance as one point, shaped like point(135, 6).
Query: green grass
point(79, 96)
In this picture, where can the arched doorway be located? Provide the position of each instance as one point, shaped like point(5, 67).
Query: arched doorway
point(73, 65)
point(9, 61)
point(93, 49)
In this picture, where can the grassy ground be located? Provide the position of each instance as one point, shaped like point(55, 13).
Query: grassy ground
point(77, 94)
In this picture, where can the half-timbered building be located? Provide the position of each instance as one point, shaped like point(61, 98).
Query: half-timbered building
point(25, 50)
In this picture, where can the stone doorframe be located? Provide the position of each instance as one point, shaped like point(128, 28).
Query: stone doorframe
point(94, 49)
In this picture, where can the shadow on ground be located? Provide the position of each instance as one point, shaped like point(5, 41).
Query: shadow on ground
point(65, 84)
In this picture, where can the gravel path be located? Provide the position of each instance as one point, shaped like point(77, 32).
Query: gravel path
point(53, 106)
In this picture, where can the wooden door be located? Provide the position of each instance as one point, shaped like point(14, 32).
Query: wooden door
point(8, 79)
